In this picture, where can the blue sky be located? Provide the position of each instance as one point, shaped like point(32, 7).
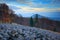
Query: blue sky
point(47, 8)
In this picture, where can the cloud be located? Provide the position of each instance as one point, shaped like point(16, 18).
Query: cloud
point(34, 7)
point(35, 3)
point(29, 9)
point(56, 1)
point(41, 3)
point(24, 1)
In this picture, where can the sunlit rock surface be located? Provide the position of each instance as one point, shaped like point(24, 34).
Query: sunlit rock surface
point(20, 32)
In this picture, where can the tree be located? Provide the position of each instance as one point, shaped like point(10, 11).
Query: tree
point(12, 15)
point(36, 23)
point(36, 18)
point(4, 10)
point(31, 22)
point(21, 19)
point(54, 29)
point(0, 16)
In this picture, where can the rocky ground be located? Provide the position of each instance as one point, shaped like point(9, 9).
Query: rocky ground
point(20, 32)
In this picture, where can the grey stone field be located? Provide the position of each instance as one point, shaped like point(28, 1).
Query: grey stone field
point(20, 32)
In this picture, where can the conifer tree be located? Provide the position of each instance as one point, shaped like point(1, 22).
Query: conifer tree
point(36, 18)
point(31, 22)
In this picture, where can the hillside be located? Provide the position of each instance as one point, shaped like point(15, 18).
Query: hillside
point(8, 15)
point(19, 32)
point(43, 22)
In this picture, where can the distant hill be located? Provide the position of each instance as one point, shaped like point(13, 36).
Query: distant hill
point(39, 16)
